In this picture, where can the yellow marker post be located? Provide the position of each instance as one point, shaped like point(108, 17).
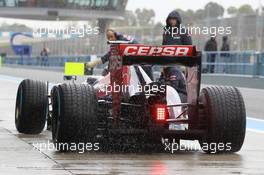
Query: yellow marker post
point(0, 61)
point(74, 69)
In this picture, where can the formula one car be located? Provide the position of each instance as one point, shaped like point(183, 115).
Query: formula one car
point(127, 107)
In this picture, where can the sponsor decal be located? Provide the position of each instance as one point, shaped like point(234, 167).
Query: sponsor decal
point(140, 50)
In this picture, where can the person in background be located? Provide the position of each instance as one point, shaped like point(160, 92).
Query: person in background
point(173, 36)
point(44, 54)
point(211, 46)
point(112, 35)
point(226, 55)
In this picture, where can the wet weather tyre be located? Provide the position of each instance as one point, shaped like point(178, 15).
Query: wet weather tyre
point(31, 107)
point(74, 118)
point(226, 119)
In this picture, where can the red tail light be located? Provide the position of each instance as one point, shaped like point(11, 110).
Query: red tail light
point(161, 112)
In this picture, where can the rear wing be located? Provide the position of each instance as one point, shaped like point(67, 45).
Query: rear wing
point(157, 55)
point(123, 54)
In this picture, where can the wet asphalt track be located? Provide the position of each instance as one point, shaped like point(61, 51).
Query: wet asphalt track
point(21, 154)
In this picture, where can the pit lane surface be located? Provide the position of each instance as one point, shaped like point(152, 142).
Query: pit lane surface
point(21, 154)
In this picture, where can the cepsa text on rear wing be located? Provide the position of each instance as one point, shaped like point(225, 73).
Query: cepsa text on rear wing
point(157, 55)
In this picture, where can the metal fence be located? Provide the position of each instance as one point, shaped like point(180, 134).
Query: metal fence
point(247, 63)
point(240, 63)
point(247, 34)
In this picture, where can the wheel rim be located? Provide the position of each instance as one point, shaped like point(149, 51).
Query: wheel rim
point(19, 103)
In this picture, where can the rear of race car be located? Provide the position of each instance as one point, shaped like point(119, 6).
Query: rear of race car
point(127, 105)
point(164, 111)
point(156, 110)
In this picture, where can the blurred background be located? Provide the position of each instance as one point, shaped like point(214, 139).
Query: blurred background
point(21, 43)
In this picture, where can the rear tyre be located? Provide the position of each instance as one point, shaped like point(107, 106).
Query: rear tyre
point(31, 107)
point(226, 119)
point(74, 118)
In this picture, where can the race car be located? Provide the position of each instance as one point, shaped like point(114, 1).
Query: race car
point(126, 108)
